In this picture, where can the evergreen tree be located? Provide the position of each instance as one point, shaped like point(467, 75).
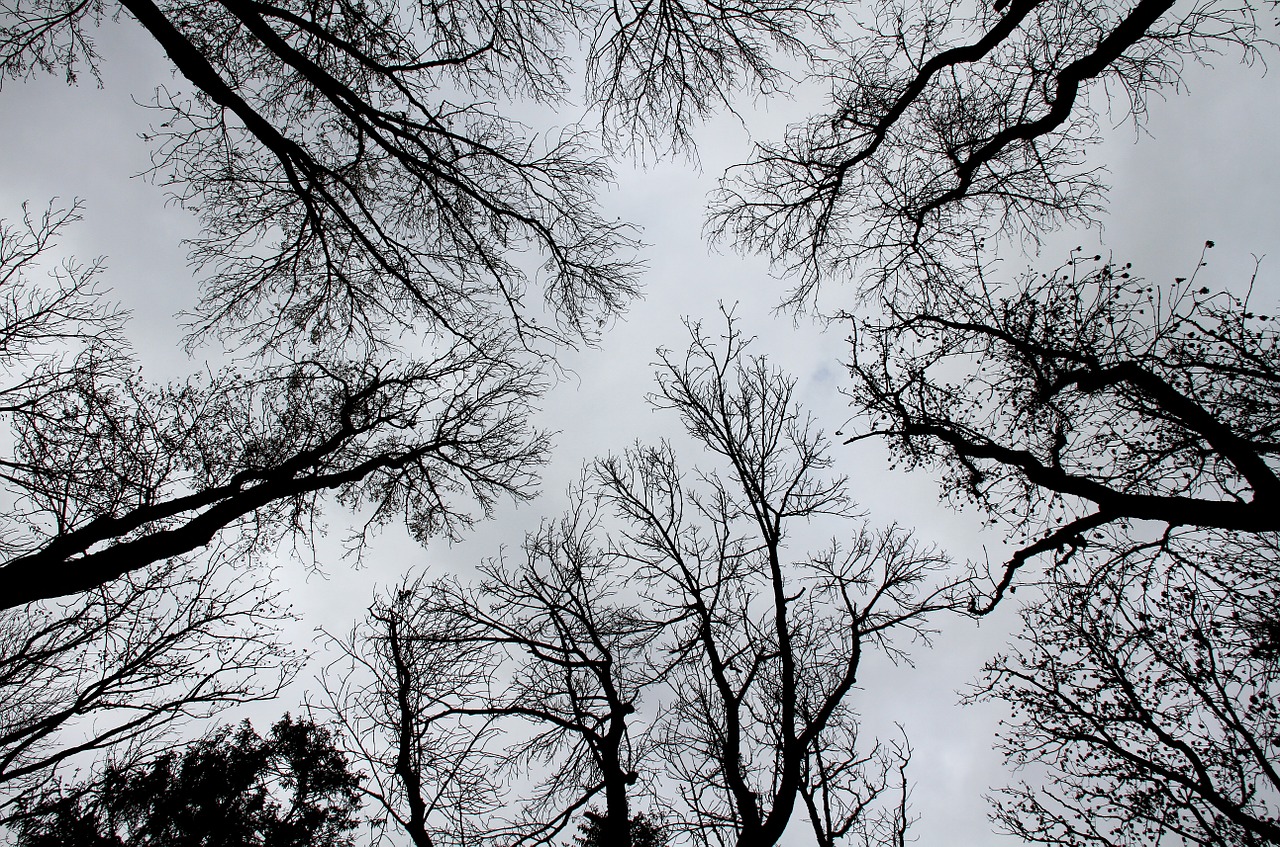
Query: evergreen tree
point(645, 832)
point(232, 788)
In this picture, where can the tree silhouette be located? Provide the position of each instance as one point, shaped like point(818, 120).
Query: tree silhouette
point(661, 638)
point(129, 504)
point(111, 671)
point(1124, 433)
point(1148, 694)
point(357, 171)
point(644, 832)
point(368, 207)
point(544, 663)
point(1072, 404)
point(108, 473)
point(232, 787)
point(951, 125)
point(769, 638)
point(362, 192)
point(393, 252)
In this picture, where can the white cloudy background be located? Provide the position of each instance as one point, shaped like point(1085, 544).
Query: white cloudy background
point(1206, 165)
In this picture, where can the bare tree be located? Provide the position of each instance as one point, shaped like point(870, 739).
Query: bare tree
point(139, 646)
point(656, 69)
point(351, 182)
point(116, 667)
point(108, 473)
point(131, 474)
point(846, 790)
point(769, 643)
point(41, 322)
point(428, 774)
point(661, 633)
point(110, 483)
point(357, 169)
point(1082, 401)
point(1125, 434)
point(1146, 691)
point(951, 123)
point(548, 654)
point(133, 502)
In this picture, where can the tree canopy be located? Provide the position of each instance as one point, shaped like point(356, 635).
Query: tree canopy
point(400, 234)
point(232, 788)
point(1148, 693)
point(660, 643)
point(1087, 398)
point(950, 125)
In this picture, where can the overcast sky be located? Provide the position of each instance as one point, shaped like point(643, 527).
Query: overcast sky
point(1206, 169)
